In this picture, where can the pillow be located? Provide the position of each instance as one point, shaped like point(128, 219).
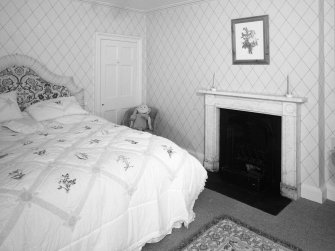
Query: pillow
point(24, 125)
point(9, 108)
point(55, 108)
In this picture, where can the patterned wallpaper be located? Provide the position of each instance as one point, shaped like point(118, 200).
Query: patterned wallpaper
point(61, 34)
point(329, 31)
point(187, 44)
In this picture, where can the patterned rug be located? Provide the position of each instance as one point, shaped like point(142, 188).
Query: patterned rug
point(228, 234)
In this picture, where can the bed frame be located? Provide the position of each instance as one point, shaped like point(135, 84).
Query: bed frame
point(44, 73)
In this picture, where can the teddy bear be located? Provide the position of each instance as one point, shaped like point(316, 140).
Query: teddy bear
point(140, 119)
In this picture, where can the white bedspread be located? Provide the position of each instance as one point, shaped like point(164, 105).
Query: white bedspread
point(87, 184)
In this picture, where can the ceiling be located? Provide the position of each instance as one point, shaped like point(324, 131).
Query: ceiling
point(143, 5)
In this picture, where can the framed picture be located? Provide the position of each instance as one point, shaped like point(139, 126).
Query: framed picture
point(250, 40)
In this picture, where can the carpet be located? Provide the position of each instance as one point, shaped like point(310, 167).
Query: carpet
point(227, 233)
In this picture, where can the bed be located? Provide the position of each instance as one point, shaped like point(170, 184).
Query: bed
point(74, 181)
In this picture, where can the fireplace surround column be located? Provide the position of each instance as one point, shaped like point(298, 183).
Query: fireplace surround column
point(211, 161)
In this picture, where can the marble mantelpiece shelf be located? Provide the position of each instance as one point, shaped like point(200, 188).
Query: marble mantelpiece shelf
point(255, 96)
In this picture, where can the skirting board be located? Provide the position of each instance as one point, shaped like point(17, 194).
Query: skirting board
point(313, 193)
point(331, 191)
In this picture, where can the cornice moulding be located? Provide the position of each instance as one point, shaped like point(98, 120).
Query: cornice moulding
point(103, 3)
point(187, 2)
point(183, 3)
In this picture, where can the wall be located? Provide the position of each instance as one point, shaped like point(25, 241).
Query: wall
point(61, 34)
point(329, 49)
point(187, 44)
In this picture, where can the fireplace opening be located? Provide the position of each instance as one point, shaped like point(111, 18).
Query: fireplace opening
point(250, 150)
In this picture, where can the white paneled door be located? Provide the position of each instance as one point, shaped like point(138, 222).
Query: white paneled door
point(118, 75)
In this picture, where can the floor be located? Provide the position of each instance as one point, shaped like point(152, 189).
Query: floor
point(303, 223)
point(265, 199)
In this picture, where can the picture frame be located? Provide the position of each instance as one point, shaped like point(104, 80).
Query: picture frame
point(250, 40)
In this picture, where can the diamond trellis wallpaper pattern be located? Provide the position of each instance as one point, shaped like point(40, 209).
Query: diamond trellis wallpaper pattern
point(61, 34)
point(187, 44)
point(329, 50)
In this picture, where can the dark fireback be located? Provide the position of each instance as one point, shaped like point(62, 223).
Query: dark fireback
point(250, 149)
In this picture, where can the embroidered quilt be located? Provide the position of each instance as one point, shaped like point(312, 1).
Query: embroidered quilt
point(83, 183)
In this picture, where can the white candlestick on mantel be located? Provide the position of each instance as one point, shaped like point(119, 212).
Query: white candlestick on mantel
point(213, 83)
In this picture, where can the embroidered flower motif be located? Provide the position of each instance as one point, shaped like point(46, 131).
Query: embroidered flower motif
point(82, 156)
point(169, 150)
point(131, 141)
point(125, 161)
point(58, 102)
point(41, 152)
point(88, 127)
point(17, 174)
point(65, 182)
point(28, 142)
point(95, 141)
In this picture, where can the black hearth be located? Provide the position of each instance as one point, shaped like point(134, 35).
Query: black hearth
point(250, 159)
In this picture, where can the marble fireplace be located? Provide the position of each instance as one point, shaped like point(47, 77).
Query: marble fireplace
point(288, 108)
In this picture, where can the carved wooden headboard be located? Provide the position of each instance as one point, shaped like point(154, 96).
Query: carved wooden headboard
point(33, 82)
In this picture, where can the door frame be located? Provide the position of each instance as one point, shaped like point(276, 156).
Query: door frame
point(99, 36)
